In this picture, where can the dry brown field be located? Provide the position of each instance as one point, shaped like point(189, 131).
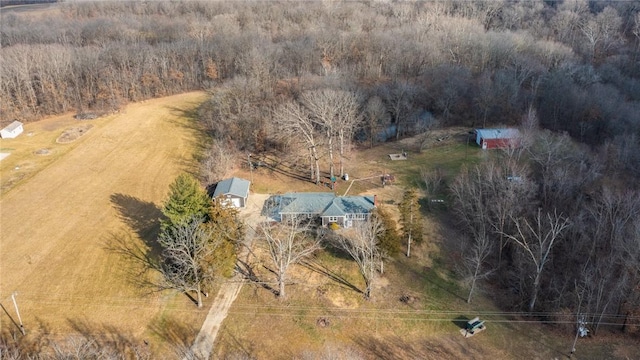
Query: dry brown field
point(63, 204)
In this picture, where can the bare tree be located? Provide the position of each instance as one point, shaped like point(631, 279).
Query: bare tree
point(363, 247)
point(217, 161)
point(376, 118)
point(475, 260)
point(289, 243)
point(537, 239)
point(293, 121)
point(187, 246)
point(337, 112)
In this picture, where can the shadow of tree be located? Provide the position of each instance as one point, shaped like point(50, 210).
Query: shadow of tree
point(178, 335)
point(141, 259)
point(141, 216)
point(396, 347)
point(108, 337)
point(323, 270)
point(13, 345)
point(246, 270)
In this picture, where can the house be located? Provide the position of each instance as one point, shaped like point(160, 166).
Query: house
point(497, 138)
point(12, 130)
point(234, 191)
point(329, 208)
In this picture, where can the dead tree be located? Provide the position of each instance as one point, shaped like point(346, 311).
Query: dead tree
point(187, 245)
point(537, 238)
point(288, 243)
point(363, 248)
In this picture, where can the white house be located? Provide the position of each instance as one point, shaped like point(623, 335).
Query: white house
point(12, 130)
point(235, 191)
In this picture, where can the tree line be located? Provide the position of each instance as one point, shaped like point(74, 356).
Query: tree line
point(467, 63)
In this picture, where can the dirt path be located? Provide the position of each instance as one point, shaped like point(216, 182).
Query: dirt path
point(203, 344)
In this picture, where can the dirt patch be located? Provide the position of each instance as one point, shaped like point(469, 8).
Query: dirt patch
point(73, 134)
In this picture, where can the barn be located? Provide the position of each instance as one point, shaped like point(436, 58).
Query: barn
point(497, 138)
point(234, 191)
point(12, 130)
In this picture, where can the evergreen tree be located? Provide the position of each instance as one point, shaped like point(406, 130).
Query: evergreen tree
point(389, 238)
point(187, 200)
point(411, 219)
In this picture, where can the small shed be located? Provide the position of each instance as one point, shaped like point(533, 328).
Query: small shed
point(497, 138)
point(235, 191)
point(12, 130)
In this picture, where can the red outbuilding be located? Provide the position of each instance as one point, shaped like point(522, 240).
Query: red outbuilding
point(498, 138)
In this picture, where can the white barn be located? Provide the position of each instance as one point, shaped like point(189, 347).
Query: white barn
point(234, 191)
point(12, 130)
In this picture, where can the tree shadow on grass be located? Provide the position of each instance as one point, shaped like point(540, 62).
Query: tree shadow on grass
point(323, 270)
point(141, 216)
point(178, 335)
point(246, 270)
point(109, 340)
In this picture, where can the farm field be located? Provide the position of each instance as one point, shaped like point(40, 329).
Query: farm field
point(61, 209)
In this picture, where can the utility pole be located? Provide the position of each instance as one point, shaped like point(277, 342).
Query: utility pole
point(13, 297)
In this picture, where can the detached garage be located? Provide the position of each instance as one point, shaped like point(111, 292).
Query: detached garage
point(12, 130)
point(234, 191)
point(497, 138)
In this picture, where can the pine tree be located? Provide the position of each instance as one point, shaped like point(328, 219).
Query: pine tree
point(187, 200)
point(389, 239)
point(411, 219)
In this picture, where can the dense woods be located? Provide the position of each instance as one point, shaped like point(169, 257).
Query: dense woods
point(565, 235)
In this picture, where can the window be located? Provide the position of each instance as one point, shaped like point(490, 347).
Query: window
point(333, 218)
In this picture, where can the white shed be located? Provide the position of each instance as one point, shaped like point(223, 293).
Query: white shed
point(12, 130)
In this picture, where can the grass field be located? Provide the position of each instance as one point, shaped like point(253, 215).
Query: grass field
point(63, 207)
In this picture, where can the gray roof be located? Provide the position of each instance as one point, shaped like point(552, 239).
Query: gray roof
point(14, 125)
point(233, 186)
point(324, 204)
point(498, 133)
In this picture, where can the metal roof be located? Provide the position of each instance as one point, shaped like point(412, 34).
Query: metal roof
point(233, 186)
point(498, 133)
point(324, 204)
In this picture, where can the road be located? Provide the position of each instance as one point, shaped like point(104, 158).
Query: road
point(203, 345)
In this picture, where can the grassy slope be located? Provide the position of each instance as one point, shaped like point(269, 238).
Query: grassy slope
point(60, 212)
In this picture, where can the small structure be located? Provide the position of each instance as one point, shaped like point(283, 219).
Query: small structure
point(473, 327)
point(401, 156)
point(498, 138)
point(12, 130)
point(329, 208)
point(234, 191)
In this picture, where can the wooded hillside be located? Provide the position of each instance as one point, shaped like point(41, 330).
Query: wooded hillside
point(468, 62)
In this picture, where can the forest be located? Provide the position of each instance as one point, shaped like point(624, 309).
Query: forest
point(564, 237)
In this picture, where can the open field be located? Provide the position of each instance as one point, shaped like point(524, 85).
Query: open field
point(61, 209)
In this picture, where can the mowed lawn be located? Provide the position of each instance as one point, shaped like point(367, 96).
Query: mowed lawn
point(57, 221)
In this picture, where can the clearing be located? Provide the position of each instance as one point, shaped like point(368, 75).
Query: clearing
point(60, 213)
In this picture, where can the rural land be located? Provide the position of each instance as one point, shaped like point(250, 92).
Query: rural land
point(319, 180)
